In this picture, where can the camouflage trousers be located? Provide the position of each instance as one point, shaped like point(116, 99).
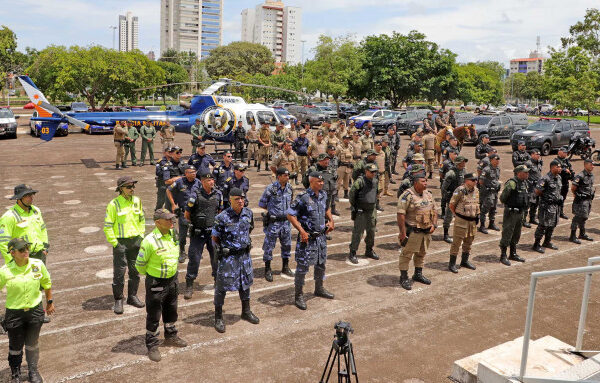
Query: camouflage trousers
point(277, 230)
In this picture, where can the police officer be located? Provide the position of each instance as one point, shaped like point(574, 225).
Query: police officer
point(278, 137)
point(124, 227)
point(584, 192)
point(148, 132)
point(201, 161)
point(359, 166)
point(24, 220)
point(441, 122)
point(548, 189)
point(224, 172)
point(168, 170)
point(167, 135)
point(178, 193)
point(329, 180)
point(231, 235)
point(201, 210)
point(367, 142)
point(344, 172)
point(252, 139)
point(394, 143)
point(520, 156)
point(428, 122)
point(566, 175)
point(464, 204)
point(316, 148)
point(483, 147)
point(157, 260)
point(300, 147)
point(197, 132)
point(286, 158)
point(535, 173)
point(489, 186)
point(515, 198)
point(408, 181)
point(24, 278)
point(447, 165)
point(132, 136)
point(309, 214)
point(417, 219)
point(332, 170)
point(276, 200)
point(239, 137)
point(240, 181)
point(453, 179)
point(429, 150)
point(264, 147)
point(356, 146)
point(119, 134)
point(363, 198)
point(451, 120)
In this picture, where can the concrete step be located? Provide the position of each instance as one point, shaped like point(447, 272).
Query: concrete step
point(589, 370)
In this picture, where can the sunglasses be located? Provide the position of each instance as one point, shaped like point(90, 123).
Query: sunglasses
point(129, 186)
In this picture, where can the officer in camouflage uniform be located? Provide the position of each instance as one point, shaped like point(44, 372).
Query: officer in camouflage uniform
point(286, 158)
point(515, 197)
point(453, 179)
point(240, 181)
point(224, 172)
point(265, 143)
point(344, 154)
point(566, 175)
point(148, 133)
point(201, 211)
point(197, 132)
point(309, 214)
point(465, 205)
point(429, 150)
point(332, 170)
point(132, 136)
point(428, 122)
point(363, 198)
point(276, 200)
point(394, 143)
point(329, 180)
point(278, 137)
point(482, 149)
point(367, 142)
point(417, 220)
point(584, 191)
point(535, 173)
point(167, 136)
point(231, 235)
point(359, 166)
point(489, 186)
point(239, 137)
point(548, 189)
point(201, 161)
point(408, 182)
point(520, 156)
point(252, 138)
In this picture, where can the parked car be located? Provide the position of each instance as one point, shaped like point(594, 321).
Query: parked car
point(307, 114)
point(383, 123)
point(35, 127)
point(499, 127)
point(281, 104)
point(29, 105)
point(327, 111)
point(366, 116)
point(469, 107)
point(284, 114)
point(153, 108)
point(347, 110)
point(580, 112)
point(79, 107)
point(508, 108)
point(548, 134)
point(411, 120)
point(8, 123)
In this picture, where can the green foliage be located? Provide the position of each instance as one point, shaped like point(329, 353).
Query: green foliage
point(534, 86)
point(442, 85)
point(8, 46)
point(174, 73)
point(480, 83)
point(514, 86)
point(239, 59)
point(586, 33)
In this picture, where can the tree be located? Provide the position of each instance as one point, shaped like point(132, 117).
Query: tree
point(8, 47)
point(442, 85)
point(514, 86)
point(586, 33)
point(534, 86)
point(174, 73)
point(479, 83)
point(239, 59)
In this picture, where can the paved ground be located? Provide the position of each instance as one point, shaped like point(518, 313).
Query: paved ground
point(399, 336)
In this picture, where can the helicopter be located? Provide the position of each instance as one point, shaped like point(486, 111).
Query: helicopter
point(217, 111)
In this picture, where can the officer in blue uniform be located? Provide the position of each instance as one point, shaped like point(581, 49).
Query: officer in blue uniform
point(231, 236)
point(239, 181)
point(276, 199)
point(201, 210)
point(168, 170)
point(309, 214)
point(201, 161)
point(224, 172)
point(178, 193)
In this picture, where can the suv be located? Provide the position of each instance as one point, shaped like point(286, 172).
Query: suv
point(383, 123)
point(411, 120)
point(347, 111)
point(79, 107)
point(497, 127)
point(548, 134)
point(8, 123)
point(306, 114)
point(327, 111)
point(367, 116)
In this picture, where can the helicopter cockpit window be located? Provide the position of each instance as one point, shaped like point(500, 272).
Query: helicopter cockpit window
point(250, 118)
point(267, 117)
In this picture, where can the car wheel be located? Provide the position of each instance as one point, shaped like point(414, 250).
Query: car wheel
point(14, 135)
point(462, 108)
point(546, 148)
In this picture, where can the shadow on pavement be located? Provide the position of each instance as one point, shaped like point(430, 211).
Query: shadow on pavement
point(280, 298)
point(443, 266)
point(104, 302)
point(487, 258)
point(384, 280)
point(207, 319)
point(135, 345)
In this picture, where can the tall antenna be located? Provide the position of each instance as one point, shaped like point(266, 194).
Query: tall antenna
point(539, 45)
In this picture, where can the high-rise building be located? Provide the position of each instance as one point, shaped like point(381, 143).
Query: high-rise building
point(534, 63)
point(277, 27)
point(128, 32)
point(191, 25)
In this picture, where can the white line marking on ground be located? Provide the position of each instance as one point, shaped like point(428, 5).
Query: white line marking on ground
point(72, 202)
point(89, 229)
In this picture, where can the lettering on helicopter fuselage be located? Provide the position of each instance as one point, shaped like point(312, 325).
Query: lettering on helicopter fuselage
point(140, 122)
point(229, 100)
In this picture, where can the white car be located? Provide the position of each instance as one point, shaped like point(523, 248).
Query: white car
point(8, 123)
point(35, 127)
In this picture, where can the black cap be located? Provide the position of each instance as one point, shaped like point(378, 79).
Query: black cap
point(240, 166)
point(470, 176)
point(281, 171)
point(318, 175)
point(588, 161)
point(186, 167)
point(532, 151)
point(330, 147)
point(175, 149)
point(494, 156)
point(206, 175)
point(18, 244)
point(555, 163)
point(201, 145)
point(322, 157)
point(236, 192)
point(563, 149)
point(521, 142)
point(22, 190)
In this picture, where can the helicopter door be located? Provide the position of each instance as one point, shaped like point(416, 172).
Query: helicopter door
point(250, 119)
point(267, 117)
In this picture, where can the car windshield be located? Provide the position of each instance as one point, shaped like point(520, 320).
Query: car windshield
point(367, 113)
point(79, 105)
point(5, 113)
point(480, 120)
point(325, 108)
point(282, 115)
point(542, 126)
point(390, 114)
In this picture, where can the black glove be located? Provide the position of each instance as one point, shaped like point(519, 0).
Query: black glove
point(177, 211)
point(120, 248)
point(477, 220)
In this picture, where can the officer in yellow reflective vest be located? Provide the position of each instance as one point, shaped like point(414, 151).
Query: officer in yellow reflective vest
point(158, 259)
point(24, 220)
point(24, 278)
point(124, 227)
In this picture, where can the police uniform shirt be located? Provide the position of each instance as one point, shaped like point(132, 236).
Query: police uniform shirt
point(182, 190)
point(490, 176)
point(466, 203)
point(173, 169)
point(520, 158)
point(276, 199)
point(481, 151)
point(252, 135)
point(242, 183)
point(310, 208)
point(193, 203)
point(233, 229)
point(356, 149)
point(223, 174)
point(23, 283)
point(417, 208)
point(287, 160)
point(201, 163)
point(344, 153)
point(300, 146)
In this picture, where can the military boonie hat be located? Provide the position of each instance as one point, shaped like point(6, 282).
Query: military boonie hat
point(236, 192)
point(322, 156)
point(371, 152)
point(22, 190)
point(239, 166)
point(281, 170)
point(163, 214)
point(385, 139)
point(521, 168)
point(318, 175)
point(470, 176)
point(416, 168)
point(371, 167)
point(124, 181)
point(461, 159)
point(19, 244)
point(206, 175)
point(555, 163)
point(418, 157)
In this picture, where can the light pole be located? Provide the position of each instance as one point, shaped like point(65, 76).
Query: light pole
point(303, 41)
point(114, 29)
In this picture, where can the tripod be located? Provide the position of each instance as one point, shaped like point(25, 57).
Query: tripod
point(346, 351)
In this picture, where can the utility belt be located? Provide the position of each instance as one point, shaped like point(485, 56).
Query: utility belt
point(199, 231)
point(302, 155)
point(225, 252)
point(347, 164)
point(516, 209)
point(583, 197)
point(253, 141)
point(414, 229)
point(470, 219)
point(316, 234)
point(269, 218)
point(119, 142)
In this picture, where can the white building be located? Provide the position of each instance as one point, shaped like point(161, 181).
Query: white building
point(191, 25)
point(277, 27)
point(128, 32)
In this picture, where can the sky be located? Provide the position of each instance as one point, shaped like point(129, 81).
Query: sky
point(474, 29)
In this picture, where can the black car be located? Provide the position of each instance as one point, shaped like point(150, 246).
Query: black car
point(382, 124)
point(411, 120)
point(548, 134)
point(347, 111)
point(498, 127)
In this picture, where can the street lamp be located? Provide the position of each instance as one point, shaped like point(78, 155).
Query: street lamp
point(303, 41)
point(114, 30)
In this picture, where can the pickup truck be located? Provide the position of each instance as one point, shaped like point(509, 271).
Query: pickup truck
point(498, 127)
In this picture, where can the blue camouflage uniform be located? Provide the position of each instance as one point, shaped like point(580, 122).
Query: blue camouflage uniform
point(277, 201)
point(310, 208)
point(223, 174)
point(201, 163)
point(182, 190)
point(242, 183)
point(234, 271)
point(300, 146)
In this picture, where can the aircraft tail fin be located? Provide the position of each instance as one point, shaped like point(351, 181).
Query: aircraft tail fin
point(35, 95)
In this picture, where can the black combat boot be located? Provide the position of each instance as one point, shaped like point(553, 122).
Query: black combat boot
point(370, 253)
point(352, 257)
point(258, 168)
point(346, 194)
point(549, 245)
point(321, 292)
point(334, 210)
point(33, 357)
point(532, 214)
point(562, 214)
point(526, 225)
point(118, 307)
point(124, 165)
point(513, 254)
point(584, 236)
point(135, 302)
point(189, 289)
point(118, 167)
point(419, 277)
point(15, 374)
point(299, 298)
point(573, 237)
point(285, 268)
point(404, 281)
point(268, 272)
point(452, 264)
point(255, 163)
point(464, 262)
point(443, 211)
point(503, 258)
point(247, 314)
point(378, 206)
point(481, 227)
point(182, 256)
point(447, 237)
point(536, 246)
point(493, 226)
point(430, 175)
point(219, 323)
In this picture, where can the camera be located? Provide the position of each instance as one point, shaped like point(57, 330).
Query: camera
point(342, 329)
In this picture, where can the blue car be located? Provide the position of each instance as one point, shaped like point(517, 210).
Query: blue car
point(35, 127)
point(284, 114)
point(367, 116)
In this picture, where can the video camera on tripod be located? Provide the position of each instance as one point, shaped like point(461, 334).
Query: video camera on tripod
point(341, 346)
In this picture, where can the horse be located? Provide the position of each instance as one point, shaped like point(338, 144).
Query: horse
point(460, 132)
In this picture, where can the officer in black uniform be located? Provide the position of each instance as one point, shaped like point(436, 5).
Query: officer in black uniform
point(566, 175)
point(548, 189)
point(239, 136)
point(168, 170)
point(240, 181)
point(535, 173)
point(482, 149)
point(584, 191)
point(447, 165)
point(224, 172)
point(520, 156)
